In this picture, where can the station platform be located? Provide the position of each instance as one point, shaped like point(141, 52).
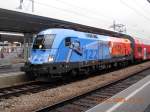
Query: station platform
point(9, 79)
point(136, 98)
point(9, 68)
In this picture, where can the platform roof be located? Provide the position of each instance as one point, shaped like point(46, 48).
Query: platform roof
point(27, 23)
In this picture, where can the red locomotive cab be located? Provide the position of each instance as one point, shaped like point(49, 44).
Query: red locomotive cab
point(119, 47)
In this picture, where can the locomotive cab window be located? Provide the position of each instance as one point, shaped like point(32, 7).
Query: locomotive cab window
point(44, 41)
point(68, 41)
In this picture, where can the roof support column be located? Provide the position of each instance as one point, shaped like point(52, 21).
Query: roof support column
point(28, 39)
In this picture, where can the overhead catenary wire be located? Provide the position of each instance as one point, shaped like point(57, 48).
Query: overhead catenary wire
point(84, 9)
point(70, 11)
point(74, 12)
point(109, 19)
point(142, 7)
point(135, 10)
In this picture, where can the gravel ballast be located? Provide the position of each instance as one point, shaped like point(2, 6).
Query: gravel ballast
point(32, 102)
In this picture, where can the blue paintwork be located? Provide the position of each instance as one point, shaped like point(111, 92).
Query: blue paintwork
point(90, 48)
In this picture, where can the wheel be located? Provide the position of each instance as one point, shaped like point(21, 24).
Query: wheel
point(30, 76)
point(74, 72)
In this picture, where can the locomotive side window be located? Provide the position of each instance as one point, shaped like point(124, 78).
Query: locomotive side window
point(48, 40)
point(43, 41)
point(68, 42)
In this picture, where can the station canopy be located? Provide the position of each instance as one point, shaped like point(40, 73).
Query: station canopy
point(14, 21)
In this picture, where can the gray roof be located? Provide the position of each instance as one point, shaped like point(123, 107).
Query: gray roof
point(27, 23)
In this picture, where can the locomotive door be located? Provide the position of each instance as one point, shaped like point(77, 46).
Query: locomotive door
point(104, 50)
point(100, 50)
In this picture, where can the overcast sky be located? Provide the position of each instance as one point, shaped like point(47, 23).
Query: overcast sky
point(135, 14)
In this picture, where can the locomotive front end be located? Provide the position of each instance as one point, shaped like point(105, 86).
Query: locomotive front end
point(42, 50)
point(42, 57)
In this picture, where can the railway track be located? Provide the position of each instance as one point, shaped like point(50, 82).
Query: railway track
point(75, 95)
point(37, 86)
point(86, 101)
point(24, 88)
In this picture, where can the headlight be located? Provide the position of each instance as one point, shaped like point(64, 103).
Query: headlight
point(30, 58)
point(50, 59)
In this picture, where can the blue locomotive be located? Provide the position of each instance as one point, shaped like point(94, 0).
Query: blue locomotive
point(56, 52)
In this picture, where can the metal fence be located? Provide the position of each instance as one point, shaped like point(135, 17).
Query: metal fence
point(13, 55)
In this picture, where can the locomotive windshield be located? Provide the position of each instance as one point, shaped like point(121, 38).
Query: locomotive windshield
point(43, 41)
